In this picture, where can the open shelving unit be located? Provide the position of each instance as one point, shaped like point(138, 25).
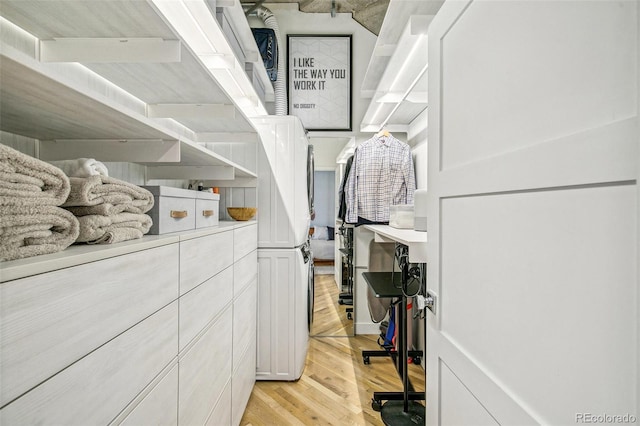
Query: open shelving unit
point(396, 78)
point(148, 82)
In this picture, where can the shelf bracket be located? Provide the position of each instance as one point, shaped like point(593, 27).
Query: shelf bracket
point(222, 137)
point(191, 172)
point(191, 111)
point(235, 183)
point(110, 50)
point(225, 3)
point(117, 150)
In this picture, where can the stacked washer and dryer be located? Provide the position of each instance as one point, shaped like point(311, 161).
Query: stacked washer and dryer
point(285, 264)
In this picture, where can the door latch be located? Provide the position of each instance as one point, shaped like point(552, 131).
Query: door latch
point(428, 301)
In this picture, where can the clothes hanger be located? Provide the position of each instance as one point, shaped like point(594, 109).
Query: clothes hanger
point(384, 132)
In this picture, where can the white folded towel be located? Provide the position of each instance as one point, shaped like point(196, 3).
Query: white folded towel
point(81, 167)
point(96, 190)
point(27, 231)
point(98, 229)
point(28, 181)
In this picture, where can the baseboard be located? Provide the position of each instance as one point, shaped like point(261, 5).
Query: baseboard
point(367, 328)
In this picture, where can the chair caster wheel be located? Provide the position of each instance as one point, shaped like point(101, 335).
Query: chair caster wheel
point(349, 316)
point(376, 405)
point(366, 360)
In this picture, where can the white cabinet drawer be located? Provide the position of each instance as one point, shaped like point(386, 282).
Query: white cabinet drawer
point(51, 320)
point(207, 213)
point(159, 406)
point(205, 370)
point(221, 414)
point(97, 387)
point(244, 320)
point(202, 258)
point(172, 214)
point(204, 303)
point(243, 380)
point(179, 209)
point(246, 240)
point(244, 272)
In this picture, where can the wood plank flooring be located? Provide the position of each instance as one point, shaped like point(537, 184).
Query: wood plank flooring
point(336, 386)
point(329, 317)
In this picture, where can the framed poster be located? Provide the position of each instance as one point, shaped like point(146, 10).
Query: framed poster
point(319, 76)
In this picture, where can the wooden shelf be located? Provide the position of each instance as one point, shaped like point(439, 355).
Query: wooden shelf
point(108, 100)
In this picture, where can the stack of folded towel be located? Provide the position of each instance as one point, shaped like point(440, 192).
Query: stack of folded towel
point(81, 167)
point(109, 210)
point(31, 223)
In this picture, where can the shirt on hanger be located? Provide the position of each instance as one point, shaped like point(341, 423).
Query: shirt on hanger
point(381, 175)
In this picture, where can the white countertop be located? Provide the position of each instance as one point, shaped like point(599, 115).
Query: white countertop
point(83, 253)
point(415, 240)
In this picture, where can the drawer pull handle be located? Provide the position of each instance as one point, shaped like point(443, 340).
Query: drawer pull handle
point(207, 213)
point(178, 214)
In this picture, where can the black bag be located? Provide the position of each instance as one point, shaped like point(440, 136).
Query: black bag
point(268, 46)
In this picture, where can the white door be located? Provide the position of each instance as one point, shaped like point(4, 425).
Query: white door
point(533, 213)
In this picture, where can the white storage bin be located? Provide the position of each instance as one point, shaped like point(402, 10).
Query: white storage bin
point(207, 209)
point(178, 209)
point(401, 216)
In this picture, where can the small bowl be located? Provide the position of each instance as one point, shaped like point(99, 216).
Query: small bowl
point(242, 213)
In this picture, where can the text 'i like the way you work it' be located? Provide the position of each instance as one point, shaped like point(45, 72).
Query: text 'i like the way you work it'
point(307, 77)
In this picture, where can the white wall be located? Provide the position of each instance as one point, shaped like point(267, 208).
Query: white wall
point(324, 185)
point(326, 150)
point(417, 138)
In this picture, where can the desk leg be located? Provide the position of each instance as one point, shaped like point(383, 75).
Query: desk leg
point(407, 411)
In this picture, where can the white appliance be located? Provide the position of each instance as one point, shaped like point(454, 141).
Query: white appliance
point(285, 265)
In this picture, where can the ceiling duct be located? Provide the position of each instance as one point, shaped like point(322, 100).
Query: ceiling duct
point(279, 86)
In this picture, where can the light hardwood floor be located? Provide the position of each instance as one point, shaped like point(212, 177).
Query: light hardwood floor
point(329, 317)
point(336, 386)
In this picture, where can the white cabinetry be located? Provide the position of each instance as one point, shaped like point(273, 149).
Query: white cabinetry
point(245, 299)
point(206, 257)
point(202, 305)
point(52, 320)
point(205, 369)
point(97, 387)
point(158, 406)
point(157, 331)
point(216, 327)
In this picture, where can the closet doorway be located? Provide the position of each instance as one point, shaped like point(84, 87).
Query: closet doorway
point(331, 318)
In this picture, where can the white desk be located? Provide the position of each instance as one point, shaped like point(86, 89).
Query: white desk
point(415, 240)
point(401, 408)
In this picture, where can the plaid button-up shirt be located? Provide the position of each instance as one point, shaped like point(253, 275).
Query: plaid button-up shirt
point(381, 175)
